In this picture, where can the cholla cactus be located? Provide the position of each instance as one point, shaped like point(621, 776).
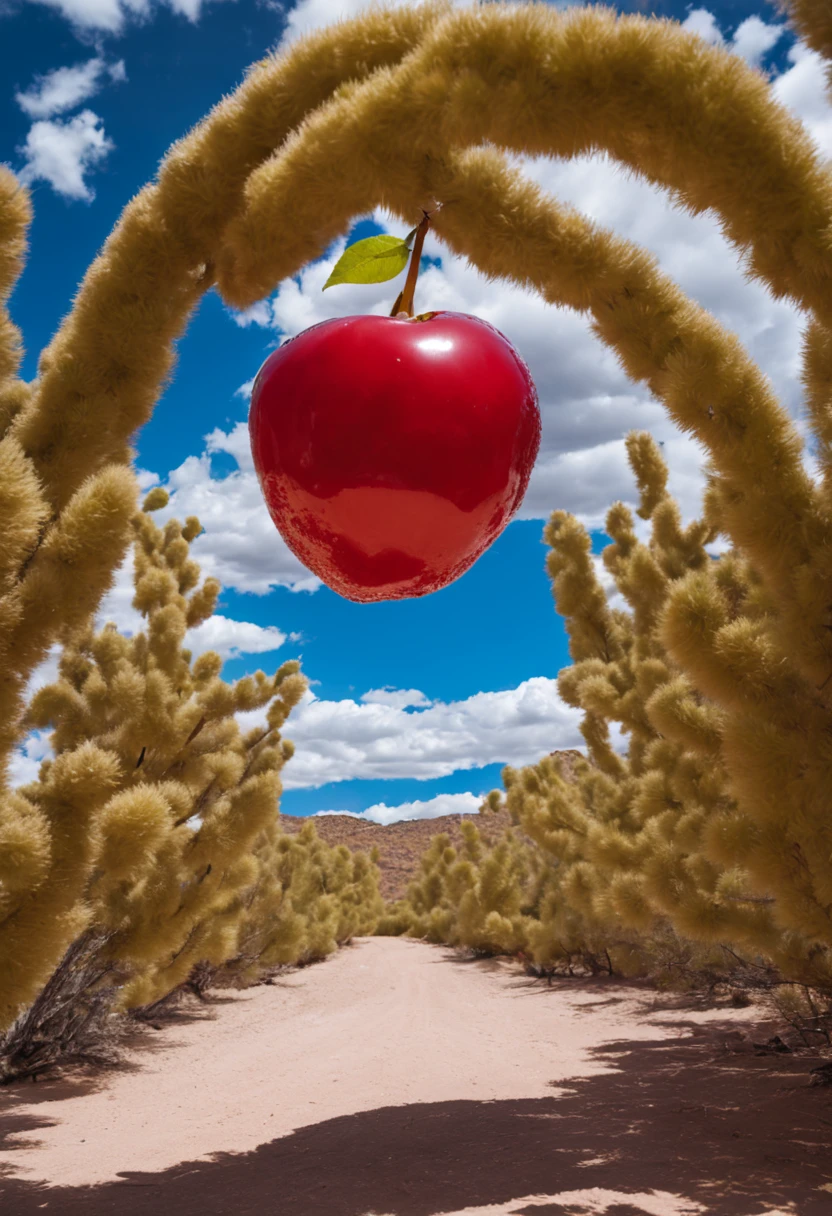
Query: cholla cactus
point(168, 797)
point(501, 895)
point(666, 832)
point(310, 899)
point(179, 867)
point(481, 896)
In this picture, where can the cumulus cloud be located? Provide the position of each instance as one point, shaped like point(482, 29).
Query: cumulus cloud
point(802, 88)
point(399, 698)
point(754, 38)
point(751, 40)
point(25, 762)
point(258, 314)
point(240, 545)
point(702, 22)
point(62, 152)
point(346, 740)
point(111, 16)
point(104, 15)
point(65, 88)
point(431, 808)
point(231, 639)
point(311, 15)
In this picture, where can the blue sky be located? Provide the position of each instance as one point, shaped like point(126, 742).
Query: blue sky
point(415, 702)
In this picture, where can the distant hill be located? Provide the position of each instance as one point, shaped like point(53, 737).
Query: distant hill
point(400, 845)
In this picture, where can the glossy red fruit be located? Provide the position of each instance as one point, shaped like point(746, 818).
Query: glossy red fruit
point(392, 451)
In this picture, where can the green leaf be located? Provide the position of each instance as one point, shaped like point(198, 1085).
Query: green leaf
point(374, 260)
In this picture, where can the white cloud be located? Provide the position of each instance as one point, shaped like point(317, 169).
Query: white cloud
point(258, 314)
point(105, 15)
point(66, 88)
point(399, 698)
point(704, 23)
point(117, 71)
point(234, 443)
point(111, 16)
point(311, 15)
point(240, 545)
point(231, 639)
point(803, 89)
point(62, 152)
point(117, 604)
point(345, 740)
point(26, 760)
point(432, 808)
point(146, 478)
point(615, 599)
point(45, 673)
point(753, 39)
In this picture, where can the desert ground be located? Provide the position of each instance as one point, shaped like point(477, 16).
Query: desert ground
point(399, 1079)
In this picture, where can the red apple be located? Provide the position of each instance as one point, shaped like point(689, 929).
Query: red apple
point(392, 451)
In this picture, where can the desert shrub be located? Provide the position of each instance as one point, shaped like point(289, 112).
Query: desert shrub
point(500, 895)
point(311, 899)
point(474, 896)
point(667, 832)
point(648, 856)
point(181, 870)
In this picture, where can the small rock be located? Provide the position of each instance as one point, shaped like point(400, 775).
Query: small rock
point(822, 1075)
point(774, 1046)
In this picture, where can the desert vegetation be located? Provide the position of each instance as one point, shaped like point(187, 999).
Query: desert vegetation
point(674, 835)
point(151, 840)
point(700, 850)
point(147, 858)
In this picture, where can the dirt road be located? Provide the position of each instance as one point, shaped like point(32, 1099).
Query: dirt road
point(396, 1079)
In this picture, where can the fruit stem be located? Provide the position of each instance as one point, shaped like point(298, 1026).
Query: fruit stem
point(405, 301)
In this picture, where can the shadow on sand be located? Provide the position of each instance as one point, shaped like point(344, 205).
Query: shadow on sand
point(730, 1135)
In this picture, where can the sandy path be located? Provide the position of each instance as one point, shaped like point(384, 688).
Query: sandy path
point(384, 1041)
